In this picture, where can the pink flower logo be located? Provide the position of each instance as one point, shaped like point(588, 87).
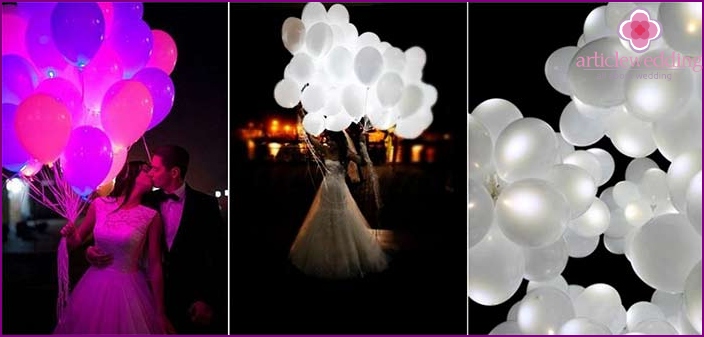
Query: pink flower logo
point(639, 30)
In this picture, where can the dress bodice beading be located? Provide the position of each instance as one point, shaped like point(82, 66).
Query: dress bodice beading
point(334, 167)
point(122, 233)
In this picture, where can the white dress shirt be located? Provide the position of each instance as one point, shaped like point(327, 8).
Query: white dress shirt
point(171, 212)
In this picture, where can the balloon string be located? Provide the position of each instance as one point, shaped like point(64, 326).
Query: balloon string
point(146, 148)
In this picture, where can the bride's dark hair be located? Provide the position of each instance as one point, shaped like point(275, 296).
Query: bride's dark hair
point(126, 179)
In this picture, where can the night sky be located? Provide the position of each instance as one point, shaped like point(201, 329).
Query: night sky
point(199, 120)
point(505, 64)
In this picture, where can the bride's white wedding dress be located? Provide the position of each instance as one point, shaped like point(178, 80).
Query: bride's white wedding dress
point(115, 299)
point(335, 240)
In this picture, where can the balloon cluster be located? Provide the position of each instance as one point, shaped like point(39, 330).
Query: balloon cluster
point(532, 199)
point(339, 76)
point(81, 82)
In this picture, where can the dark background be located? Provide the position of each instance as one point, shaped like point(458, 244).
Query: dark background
point(504, 63)
point(422, 292)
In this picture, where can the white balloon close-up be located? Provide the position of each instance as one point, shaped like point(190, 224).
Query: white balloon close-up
point(533, 198)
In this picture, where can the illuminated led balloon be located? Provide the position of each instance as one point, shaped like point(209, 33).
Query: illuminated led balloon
point(576, 185)
point(693, 297)
point(694, 202)
point(526, 148)
point(480, 148)
point(544, 310)
point(480, 208)
point(496, 114)
point(546, 263)
point(682, 26)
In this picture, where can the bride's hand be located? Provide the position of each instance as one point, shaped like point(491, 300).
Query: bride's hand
point(68, 229)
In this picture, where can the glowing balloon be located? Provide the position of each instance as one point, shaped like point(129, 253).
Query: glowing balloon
point(164, 52)
point(19, 78)
point(480, 209)
point(693, 297)
point(556, 68)
point(413, 126)
point(586, 160)
point(544, 310)
point(576, 185)
point(546, 263)
point(119, 157)
point(43, 126)
point(606, 161)
point(602, 304)
point(526, 148)
point(496, 114)
point(693, 207)
point(368, 64)
point(594, 86)
point(579, 246)
point(66, 93)
point(161, 87)
point(583, 326)
point(641, 312)
point(126, 112)
point(14, 28)
point(41, 47)
point(314, 123)
point(319, 39)
point(636, 168)
point(680, 132)
point(287, 93)
point(87, 159)
point(293, 34)
point(594, 221)
point(99, 75)
point(128, 11)
point(479, 150)
point(682, 26)
point(133, 41)
point(680, 174)
point(78, 30)
point(14, 156)
point(313, 12)
point(390, 89)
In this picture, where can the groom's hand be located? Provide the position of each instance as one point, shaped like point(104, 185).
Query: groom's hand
point(201, 313)
point(97, 257)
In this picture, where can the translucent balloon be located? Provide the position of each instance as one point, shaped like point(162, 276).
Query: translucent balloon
point(487, 284)
point(293, 34)
point(287, 93)
point(43, 127)
point(680, 132)
point(411, 100)
point(556, 68)
point(607, 197)
point(579, 246)
point(78, 29)
point(670, 304)
point(389, 89)
point(161, 87)
point(583, 326)
point(630, 135)
point(558, 283)
point(526, 148)
point(595, 25)
point(19, 78)
point(586, 160)
point(625, 192)
point(394, 60)
point(637, 167)
point(574, 291)
point(693, 207)
point(313, 98)
point(654, 189)
point(480, 211)
point(513, 312)
point(616, 12)
point(532, 213)
point(578, 129)
point(601, 87)
point(544, 310)
point(164, 52)
point(546, 263)
point(339, 64)
point(66, 93)
point(576, 185)
point(682, 26)
point(87, 159)
point(353, 99)
point(14, 156)
point(594, 221)
point(14, 28)
point(619, 225)
point(638, 212)
point(496, 114)
point(368, 64)
point(313, 12)
point(126, 112)
point(128, 11)
point(563, 147)
point(693, 297)
point(606, 161)
point(319, 39)
point(664, 251)
point(650, 97)
point(413, 126)
point(314, 123)
point(641, 312)
point(338, 14)
point(615, 245)
point(119, 157)
point(479, 148)
point(602, 303)
point(655, 327)
point(41, 47)
point(368, 39)
point(338, 122)
point(133, 41)
point(596, 112)
point(680, 174)
point(506, 328)
point(104, 70)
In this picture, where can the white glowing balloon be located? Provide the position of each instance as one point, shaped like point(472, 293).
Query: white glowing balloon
point(496, 114)
point(606, 161)
point(602, 303)
point(578, 129)
point(594, 222)
point(664, 251)
point(367, 39)
point(339, 64)
point(564, 148)
point(617, 12)
point(596, 112)
point(394, 60)
point(654, 189)
point(558, 283)
point(694, 202)
point(544, 310)
point(693, 297)
point(532, 213)
point(631, 136)
point(615, 245)
point(487, 284)
point(682, 26)
point(583, 326)
point(638, 212)
point(579, 246)
point(513, 312)
point(479, 148)
point(595, 26)
point(526, 148)
point(680, 174)
point(576, 185)
point(581, 41)
point(594, 86)
point(353, 99)
point(410, 101)
point(670, 304)
point(413, 126)
point(625, 192)
point(574, 291)
point(287, 93)
point(314, 123)
point(619, 226)
point(641, 312)
point(506, 328)
point(313, 12)
point(655, 327)
point(416, 56)
point(637, 167)
point(556, 68)
point(313, 98)
point(653, 95)
point(389, 89)
point(368, 64)
point(293, 34)
point(300, 69)
point(586, 160)
point(681, 131)
point(382, 119)
point(338, 122)
point(338, 14)
point(319, 39)
point(607, 197)
point(480, 209)
point(546, 263)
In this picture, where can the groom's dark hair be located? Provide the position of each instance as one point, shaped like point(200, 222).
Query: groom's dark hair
point(173, 156)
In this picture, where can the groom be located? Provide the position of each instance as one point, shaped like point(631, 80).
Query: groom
point(195, 240)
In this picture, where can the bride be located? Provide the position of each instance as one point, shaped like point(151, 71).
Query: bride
point(335, 240)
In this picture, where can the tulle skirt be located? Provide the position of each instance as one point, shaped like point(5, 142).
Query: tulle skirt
point(335, 240)
point(107, 301)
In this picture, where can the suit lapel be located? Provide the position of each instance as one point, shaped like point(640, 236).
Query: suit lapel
point(185, 219)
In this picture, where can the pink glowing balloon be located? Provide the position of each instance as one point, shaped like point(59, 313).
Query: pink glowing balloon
point(14, 28)
point(119, 157)
point(43, 126)
point(87, 159)
point(164, 53)
point(108, 15)
point(63, 90)
point(99, 75)
point(126, 112)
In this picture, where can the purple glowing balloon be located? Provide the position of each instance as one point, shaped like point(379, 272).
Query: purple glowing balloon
point(78, 29)
point(162, 89)
point(19, 78)
point(87, 159)
point(28, 10)
point(127, 11)
point(65, 92)
point(133, 42)
point(14, 155)
point(41, 47)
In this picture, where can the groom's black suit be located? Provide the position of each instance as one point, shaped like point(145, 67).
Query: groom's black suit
point(195, 268)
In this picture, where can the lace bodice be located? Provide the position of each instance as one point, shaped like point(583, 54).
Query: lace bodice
point(334, 167)
point(123, 233)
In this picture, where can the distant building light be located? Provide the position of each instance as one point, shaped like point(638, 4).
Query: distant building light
point(218, 194)
point(274, 149)
point(15, 186)
point(416, 152)
point(227, 193)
